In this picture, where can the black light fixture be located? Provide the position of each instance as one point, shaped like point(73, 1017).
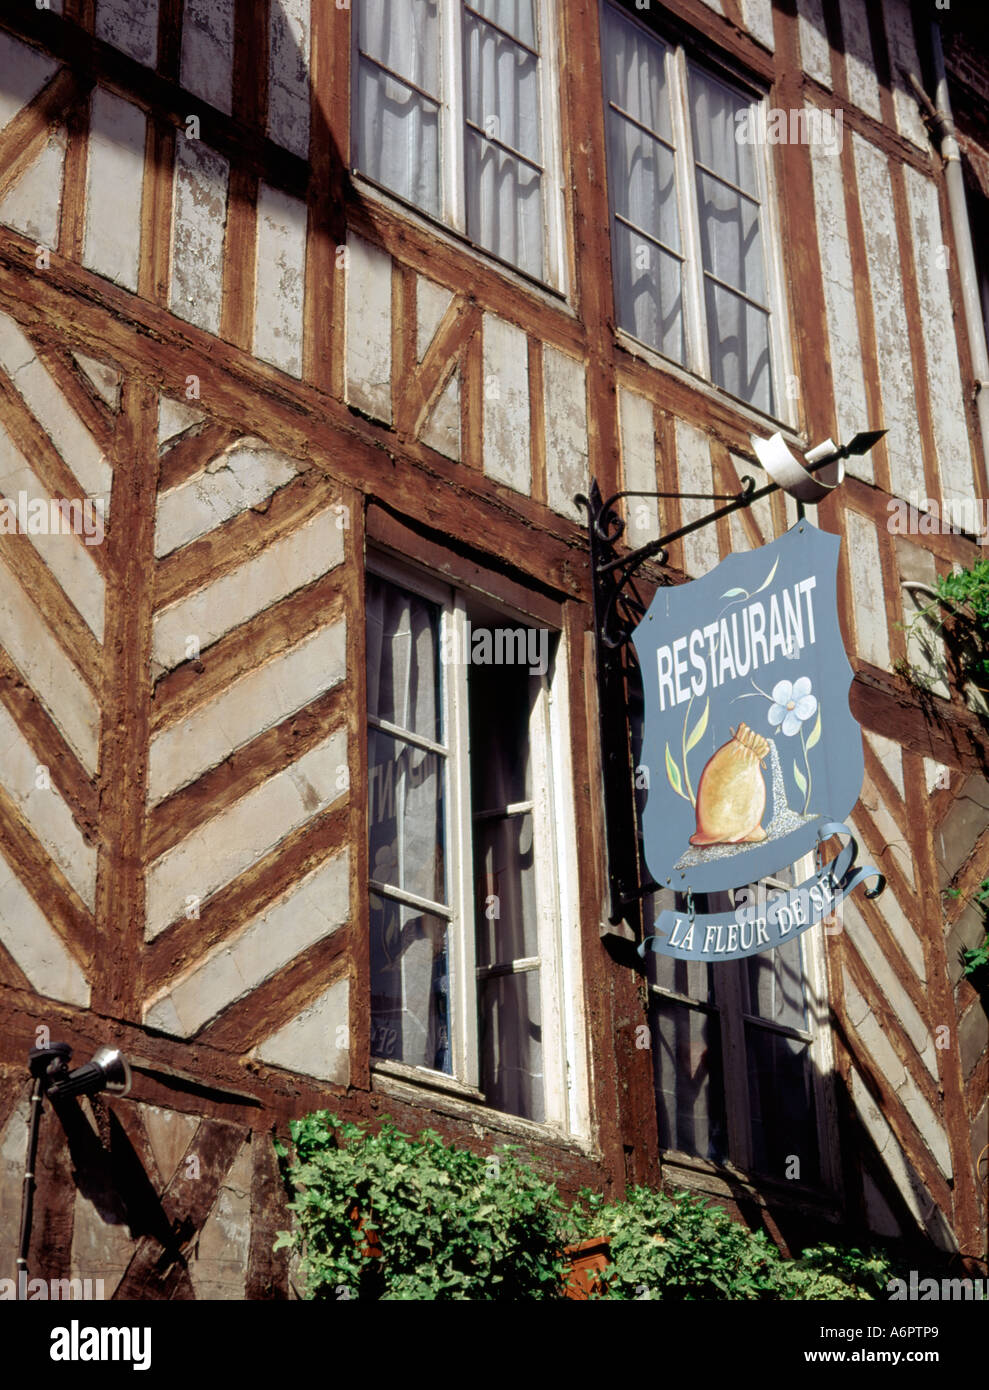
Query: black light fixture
point(49, 1066)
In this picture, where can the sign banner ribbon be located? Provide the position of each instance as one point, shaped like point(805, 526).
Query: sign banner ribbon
point(730, 935)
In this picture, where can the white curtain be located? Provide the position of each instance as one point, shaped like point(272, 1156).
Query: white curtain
point(397, 128)
point(409, 962)
point(504, 193)
point(731, 242)
point(642, 182)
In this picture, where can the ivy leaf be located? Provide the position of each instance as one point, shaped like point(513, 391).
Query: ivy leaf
point(769, 578)
point(815, 733)
point(673, 773)
point(699, 728)
point(799, 778)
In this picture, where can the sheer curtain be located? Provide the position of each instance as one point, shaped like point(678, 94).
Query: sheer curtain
point(409, 948)
point(397, 113)
point(642, 181)
point(732, 252)
point(501, 103)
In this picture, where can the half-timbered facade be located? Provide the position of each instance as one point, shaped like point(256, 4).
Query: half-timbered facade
point(322, 314)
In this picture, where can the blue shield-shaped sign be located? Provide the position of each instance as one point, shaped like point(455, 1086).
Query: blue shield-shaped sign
point(748, 739)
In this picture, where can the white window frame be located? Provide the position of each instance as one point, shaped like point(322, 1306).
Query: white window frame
point(696, 343)
point(452, 159)
point(732, 1020)
point(554, 842)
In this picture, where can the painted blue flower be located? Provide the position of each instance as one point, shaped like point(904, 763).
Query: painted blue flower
point(793, 705)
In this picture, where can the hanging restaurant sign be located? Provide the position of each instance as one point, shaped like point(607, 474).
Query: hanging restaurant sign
point(751, 748)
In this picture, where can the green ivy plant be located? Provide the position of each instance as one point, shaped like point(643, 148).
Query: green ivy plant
point(450, 1224)
point(975, 958)
point(964, 596)
point(677, 1247)
point(389, 1216)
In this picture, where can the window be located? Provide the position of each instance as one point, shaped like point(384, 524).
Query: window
point(454, 111)
point(466, 813)
point(689, 213)
point(739, 1059)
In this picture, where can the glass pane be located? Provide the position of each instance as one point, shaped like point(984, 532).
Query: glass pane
point(781, 1098)
point(500, 705)
point(642, 178)
point(502, 88)
point(504, 881)
point(404, 35)
point(405, 816)
point(776, 986)
point(738, 335)
point(410, 985)
point(398, 138)
point(731, 244)
point(516, 16)
point(719, 116)
point(648, 292)
point(692, 978)
point(504, 204)
point(403, 639)
point(511, 1044)
point(689, 1082)
point(635, 73)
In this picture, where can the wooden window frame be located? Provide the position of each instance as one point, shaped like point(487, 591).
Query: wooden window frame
point(451, 586)
point(734, 1062)
point(452, 172)
point(678, 52)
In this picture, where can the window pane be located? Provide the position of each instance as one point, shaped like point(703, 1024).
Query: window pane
point(687, 1074)
point(642, 178)
point(410, 985)
point(403, 35)
point(692, 978)
point(776, 986)
point(403, 658)
point(504, 204)
point(504, 870)
point(398, 138)
point(511, 1044)
point(500, 705)
point(406, 816)
point(502, 88)
point(635, 74)
point(781, 1096)
point(719, 115)
point(648, 291)
point(731, 243)
point(738, 335)
point(516, 16)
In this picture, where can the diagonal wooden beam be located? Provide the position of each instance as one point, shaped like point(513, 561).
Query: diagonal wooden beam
point(24, 136)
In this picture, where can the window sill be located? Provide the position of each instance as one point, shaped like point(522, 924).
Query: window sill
point(373, 193)
point(749, 416)
point(425, 1091)
point(725, 1180)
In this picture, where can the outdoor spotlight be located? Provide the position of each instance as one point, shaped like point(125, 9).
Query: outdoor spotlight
point(108, 1071)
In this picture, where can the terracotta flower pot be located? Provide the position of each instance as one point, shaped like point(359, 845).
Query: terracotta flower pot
point(588, 1261)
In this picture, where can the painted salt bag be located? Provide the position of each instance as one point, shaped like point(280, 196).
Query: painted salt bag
point(731, 795)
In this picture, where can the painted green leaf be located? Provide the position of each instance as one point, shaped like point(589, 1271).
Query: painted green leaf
point(698, 733)
point(733, 593)
point(768, 579)
point(815, 733)
point(673, 773)
point(799, 778)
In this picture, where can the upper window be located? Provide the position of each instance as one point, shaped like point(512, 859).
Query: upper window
point(738, 1062)
point(454, 112)
point(464, 822)
point(689, 217)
